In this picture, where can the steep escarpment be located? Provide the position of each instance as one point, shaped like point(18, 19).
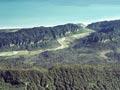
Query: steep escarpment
point(38, 37)
point(63, 77)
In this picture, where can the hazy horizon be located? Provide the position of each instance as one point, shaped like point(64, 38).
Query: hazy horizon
point(33, 13)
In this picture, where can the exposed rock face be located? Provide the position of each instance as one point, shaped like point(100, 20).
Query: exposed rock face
point(75, 77)
point(38, 37)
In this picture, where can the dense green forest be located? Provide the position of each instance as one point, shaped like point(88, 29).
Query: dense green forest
point(63, 77)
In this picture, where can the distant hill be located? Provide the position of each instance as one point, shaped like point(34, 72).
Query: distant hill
point(38, 37)
point(107, 35)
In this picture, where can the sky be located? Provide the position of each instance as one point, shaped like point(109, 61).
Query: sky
point(33, 13)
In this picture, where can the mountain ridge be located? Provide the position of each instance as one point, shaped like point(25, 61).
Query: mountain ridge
point(39, 37)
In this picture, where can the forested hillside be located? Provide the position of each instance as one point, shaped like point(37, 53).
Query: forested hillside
point(63, 77)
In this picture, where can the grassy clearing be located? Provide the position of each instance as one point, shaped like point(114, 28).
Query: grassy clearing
point(103, 53)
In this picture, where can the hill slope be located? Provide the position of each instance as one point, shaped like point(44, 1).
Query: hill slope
point(38, 37)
